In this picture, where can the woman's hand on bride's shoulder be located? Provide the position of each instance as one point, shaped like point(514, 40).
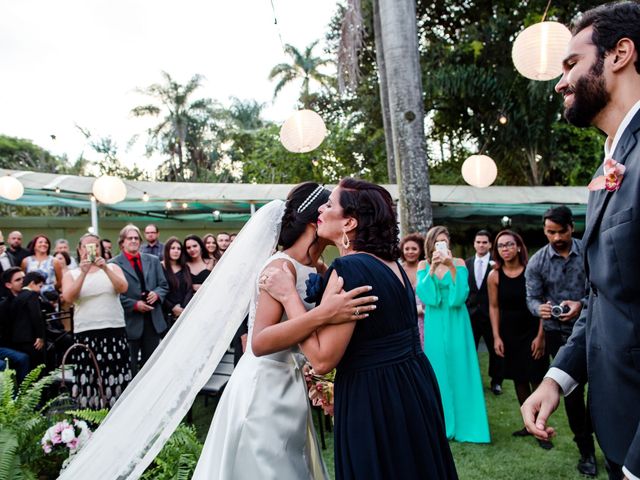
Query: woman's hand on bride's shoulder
point(279, 282)
point(341, 306)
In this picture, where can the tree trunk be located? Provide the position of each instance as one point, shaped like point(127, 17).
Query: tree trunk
point(404, 86)
point(384, 93)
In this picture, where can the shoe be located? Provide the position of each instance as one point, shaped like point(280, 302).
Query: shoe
point(496, 389)
point(545, 444)
point(521, 433)
point(587, 465)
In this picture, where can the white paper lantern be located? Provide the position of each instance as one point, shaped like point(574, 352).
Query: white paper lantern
point(109, 190)
point(479, 171)
point(303, 131)
point(539, 49)
point(11, 188)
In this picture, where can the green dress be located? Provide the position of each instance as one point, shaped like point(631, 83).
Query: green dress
point(449, 345)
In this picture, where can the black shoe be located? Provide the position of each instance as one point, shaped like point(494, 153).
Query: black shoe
point(496, 389)
point(587, 465)
point(545, 444)
point(521, 433)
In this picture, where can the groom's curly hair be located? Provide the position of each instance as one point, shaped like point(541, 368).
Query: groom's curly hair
point(295, 222)
point(372, 206)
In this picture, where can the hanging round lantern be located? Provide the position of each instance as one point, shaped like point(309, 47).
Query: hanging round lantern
point(479, 171)
point(11, 188)
point(109, 190)
point(303, 131)
point(538, 50)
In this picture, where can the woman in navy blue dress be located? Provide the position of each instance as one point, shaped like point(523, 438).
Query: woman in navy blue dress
point(388, 415)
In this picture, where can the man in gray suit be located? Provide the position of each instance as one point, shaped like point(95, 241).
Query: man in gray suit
point(142, 302)
point(601, 87)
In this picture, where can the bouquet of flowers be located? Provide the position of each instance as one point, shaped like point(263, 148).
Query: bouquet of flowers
point(320, 388)
point(65, 438)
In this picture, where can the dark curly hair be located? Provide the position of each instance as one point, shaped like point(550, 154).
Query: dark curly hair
point(611, 23)
point(372, 206)
point(294, 222)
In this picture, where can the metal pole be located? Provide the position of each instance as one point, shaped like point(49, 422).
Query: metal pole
point(253, 208)
point(94, 215)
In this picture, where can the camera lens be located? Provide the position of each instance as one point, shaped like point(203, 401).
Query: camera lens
point(557, 310)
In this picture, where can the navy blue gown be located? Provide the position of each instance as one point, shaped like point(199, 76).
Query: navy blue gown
point(389, 421)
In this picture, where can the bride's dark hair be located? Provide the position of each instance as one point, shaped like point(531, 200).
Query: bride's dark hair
point(307, 197)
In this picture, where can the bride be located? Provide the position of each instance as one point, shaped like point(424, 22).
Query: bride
point(262, 427)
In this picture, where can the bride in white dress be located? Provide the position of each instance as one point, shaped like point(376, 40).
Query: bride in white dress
point(262, 426)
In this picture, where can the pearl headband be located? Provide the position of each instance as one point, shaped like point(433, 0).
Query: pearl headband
point(309, 200)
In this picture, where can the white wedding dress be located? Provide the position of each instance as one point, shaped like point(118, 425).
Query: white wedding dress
point(262, 427)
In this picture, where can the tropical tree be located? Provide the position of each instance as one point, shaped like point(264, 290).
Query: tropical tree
point(304, 66)
point(186, 129)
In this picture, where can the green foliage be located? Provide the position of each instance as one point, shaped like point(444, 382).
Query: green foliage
point(94, 417)
point(178, 458)
point(22, 424)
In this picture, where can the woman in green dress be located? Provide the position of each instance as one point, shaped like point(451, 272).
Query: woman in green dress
point(448, 340)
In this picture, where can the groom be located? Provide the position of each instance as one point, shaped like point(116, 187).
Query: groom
point(601, 87)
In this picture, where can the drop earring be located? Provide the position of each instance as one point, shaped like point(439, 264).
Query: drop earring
point(346, 243)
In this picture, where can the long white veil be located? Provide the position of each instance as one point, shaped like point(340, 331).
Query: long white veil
point(158, 398)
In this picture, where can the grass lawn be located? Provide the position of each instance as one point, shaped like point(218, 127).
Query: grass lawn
point(506, 457)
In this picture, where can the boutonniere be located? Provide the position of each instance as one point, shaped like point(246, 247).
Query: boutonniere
point(315, 287)
point(492, 263)
point(612, 178)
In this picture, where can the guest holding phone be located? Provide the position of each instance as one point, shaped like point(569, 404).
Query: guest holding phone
point(443, 286)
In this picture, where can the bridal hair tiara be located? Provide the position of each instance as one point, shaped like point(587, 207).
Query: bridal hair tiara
point(309, 200)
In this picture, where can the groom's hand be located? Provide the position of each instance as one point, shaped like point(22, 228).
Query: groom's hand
point(539, 406)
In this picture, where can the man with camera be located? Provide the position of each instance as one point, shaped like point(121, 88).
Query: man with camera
point(142, 302)
point(556, 292)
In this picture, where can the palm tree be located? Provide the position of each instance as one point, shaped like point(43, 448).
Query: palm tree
point(304, 66)
point(182, 124)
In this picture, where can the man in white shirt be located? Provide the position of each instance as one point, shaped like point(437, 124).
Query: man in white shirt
point(601, 87)
point(479, 267)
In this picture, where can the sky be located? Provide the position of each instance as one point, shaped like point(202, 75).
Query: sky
point(79, 62)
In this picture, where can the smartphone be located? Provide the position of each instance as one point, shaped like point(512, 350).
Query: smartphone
point(91, 252)
point(442, 247)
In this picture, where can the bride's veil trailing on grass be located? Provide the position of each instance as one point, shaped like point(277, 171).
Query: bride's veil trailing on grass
point(160, 395)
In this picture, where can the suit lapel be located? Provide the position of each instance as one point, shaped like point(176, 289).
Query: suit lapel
point(599, 199)
point(146, 267)
point(126, 265)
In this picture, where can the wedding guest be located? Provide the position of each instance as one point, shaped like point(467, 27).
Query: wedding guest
point(479, 267)
point(106, 248)
point(62, 246)
point(443, 286)
point(19, 361)
point(65, 261)
point(27, 322)
point(411, 253)
point(98, 322)
point(179, 280)
point(142, 302)
point(41, 261)
point(15, 247)
point(153, 246)
point(199, 264)
point(518, 336)
point(7, 261)
point(224, 240)
point(211, 247)
point(232, 237)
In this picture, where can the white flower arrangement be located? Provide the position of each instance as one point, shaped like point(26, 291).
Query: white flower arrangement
point(66, 435)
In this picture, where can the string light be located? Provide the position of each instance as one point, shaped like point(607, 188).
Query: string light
point(185, 205)
point(168, 205)
point(145, 197)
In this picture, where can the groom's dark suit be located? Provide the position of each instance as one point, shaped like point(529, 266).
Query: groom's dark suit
point(478, 307)
point(604, 348)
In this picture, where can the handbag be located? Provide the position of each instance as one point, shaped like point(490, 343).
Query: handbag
point(64, 401)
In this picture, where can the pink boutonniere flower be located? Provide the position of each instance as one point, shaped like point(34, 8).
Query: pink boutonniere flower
point(612, 178)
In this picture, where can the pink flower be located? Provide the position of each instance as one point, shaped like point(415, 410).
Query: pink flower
point(612, 178)
point(47, 448)
point(73, 444)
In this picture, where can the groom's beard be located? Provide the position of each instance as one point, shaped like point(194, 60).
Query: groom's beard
point(590, 96)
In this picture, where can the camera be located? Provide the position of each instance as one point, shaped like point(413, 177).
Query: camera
point(91, 252)
point(557, 310)
point(441, 247)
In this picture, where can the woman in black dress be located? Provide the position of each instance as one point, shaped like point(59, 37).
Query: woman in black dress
point(179, 280)
point(198, 261)
point(388, 415)
point(518, 335)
